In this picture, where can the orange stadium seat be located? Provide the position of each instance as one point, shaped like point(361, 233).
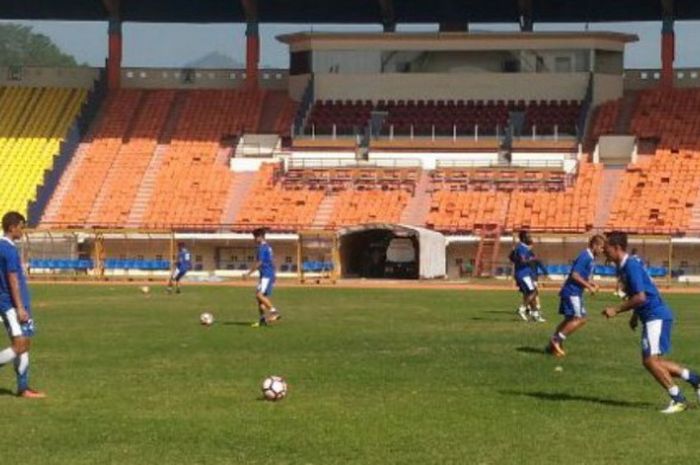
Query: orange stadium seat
point(468, 206)
point(193, 181)
point(273, 205)
point(657, 194)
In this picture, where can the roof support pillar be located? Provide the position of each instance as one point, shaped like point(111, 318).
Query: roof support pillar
point(252, 43)
point(668, 44)
point(114, 54)
point(252, 55)
point(388, 18)
point(525, 15)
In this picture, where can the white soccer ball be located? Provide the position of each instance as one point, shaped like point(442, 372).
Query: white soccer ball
point(145, 289)
point(206, 318)
point(274, 388)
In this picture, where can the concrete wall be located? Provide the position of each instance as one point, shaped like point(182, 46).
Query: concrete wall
point(636, 79)
point(606, 87)
point(297, 86)
point(31, 76)
point(616, 149)
point(478, 86)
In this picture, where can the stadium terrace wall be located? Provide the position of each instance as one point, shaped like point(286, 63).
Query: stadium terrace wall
point(636, 79)
point(143, 78)
point(606, 87)
point(179, 78)
point(33, 76)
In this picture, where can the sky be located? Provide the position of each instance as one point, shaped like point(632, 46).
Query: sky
point(174, 45)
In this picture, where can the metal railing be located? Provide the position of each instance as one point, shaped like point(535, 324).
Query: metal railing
point(492, 163)
point(300, 163)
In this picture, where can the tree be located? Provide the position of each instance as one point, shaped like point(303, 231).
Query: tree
point(20, 46)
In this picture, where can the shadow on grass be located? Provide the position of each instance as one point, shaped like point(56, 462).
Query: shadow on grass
point(237, 323)
point(565, 397)
point(531, 350)
point(6, 392)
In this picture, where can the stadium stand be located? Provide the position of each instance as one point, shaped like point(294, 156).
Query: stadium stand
point(490, 116)
point(471, 200)
point(193, 177)
point(270, 203)
point(194, 180)
point(33, 122)
point(603, 122)
point(355, 194)
point(455, 211)
point(669, 116)
point(369, 206)
point(99, 157)
point(570, 210)
point(657, 194)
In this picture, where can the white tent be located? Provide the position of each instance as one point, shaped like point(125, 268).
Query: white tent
point(431, 244)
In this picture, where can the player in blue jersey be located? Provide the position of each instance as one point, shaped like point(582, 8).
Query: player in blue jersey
point(265, 265)
point(656, 319)
point(15, 305)
point(523, 257)
point(182, 266)
point(571, 305)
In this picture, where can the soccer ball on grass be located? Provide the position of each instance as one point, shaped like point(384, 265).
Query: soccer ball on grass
point(274, 388)
point(206, 319)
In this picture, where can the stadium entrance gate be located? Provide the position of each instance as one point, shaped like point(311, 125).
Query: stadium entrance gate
point(380, 250)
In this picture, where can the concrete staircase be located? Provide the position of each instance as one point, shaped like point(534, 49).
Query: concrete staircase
point(178, 103)
point(418, 207)
point(147, 187)
point(223, 155)
point(113, 168)
point(148, 183)
point(272, 105)
point(64, 185)
point(238, 191)
point(324, 212)
point(612, 176)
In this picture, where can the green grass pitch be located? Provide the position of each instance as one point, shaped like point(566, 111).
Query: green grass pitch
point(376, 377)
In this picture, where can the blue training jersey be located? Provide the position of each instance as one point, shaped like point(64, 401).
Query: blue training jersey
point(523, 254)
point(635, 279)
point(11, 263)
point(583, 265)
point(266, 259)
point(184, 260)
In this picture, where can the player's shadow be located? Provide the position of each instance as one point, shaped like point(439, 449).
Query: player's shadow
point(6, 392)
point(530, 350)
point(565, 397)
point(237, 323)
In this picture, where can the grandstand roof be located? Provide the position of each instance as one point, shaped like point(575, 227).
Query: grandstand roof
point(347, 11)
point(450, 40)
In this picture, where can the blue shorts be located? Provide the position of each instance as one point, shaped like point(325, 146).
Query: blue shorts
point(572, 306)
point(178, 274)
point(526, 285)
point(14, 327)
point(656, 337)
point(265, 286)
